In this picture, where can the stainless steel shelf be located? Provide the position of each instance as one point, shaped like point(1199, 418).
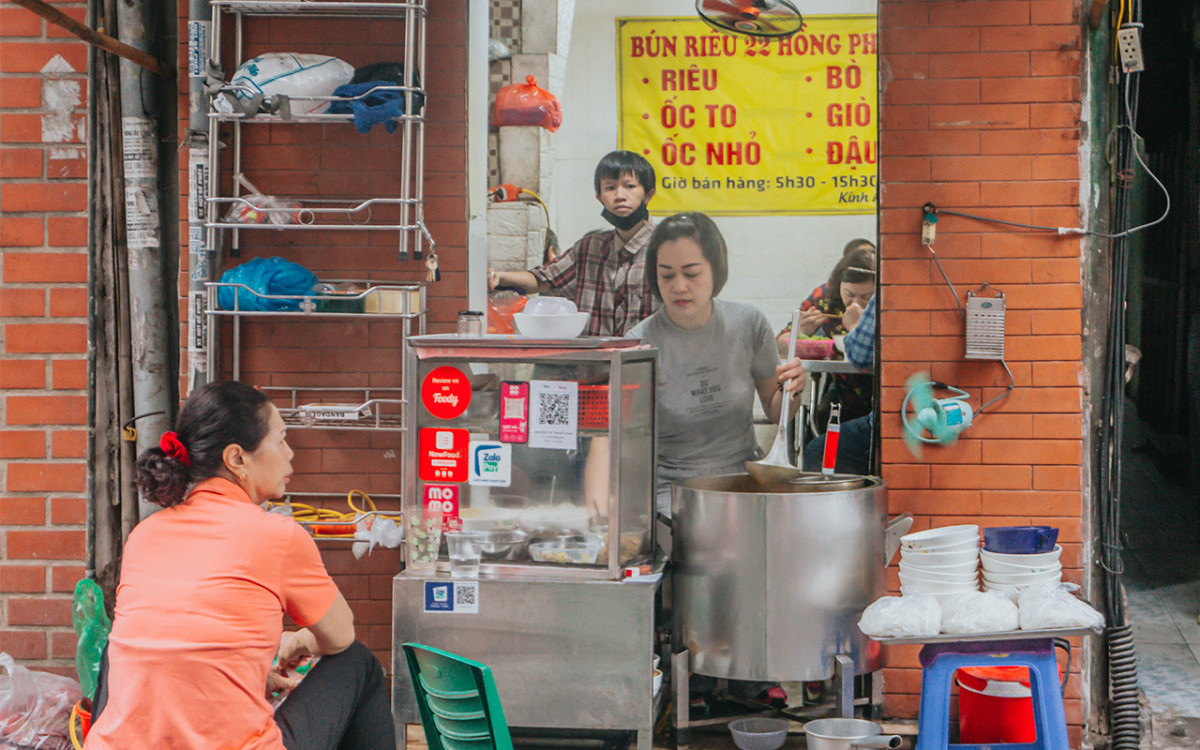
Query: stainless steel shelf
point(386, 414)
point(1005, 635)
point(317, 8)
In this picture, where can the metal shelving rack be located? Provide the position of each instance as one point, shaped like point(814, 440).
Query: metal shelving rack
point(327, 214)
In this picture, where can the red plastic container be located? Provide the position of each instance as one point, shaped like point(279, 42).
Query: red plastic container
point(995, 704)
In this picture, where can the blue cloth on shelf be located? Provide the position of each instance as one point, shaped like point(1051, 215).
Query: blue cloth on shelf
point(370, 110)
point(265, 276)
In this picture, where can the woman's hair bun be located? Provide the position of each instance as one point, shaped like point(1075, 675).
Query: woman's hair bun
point(160, 479)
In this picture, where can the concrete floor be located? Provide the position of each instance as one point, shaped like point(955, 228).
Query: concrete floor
point(1161, 519)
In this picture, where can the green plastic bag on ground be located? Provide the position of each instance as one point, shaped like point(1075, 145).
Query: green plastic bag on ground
point(91, 628)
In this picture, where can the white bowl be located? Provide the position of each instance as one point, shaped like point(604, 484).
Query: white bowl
point(657, 682)
point(921, 563)
point(1040, 559)
point(940, 537)
point(566, 326)
point(944, 558)
point(925, 587)
point(996, 566)
point(547, 304)
point(907, 578)
point(956, 547)
point(839, 340)
point(1017, 579)
point(924, 574)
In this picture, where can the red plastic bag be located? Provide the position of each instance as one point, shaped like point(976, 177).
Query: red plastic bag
point(527, 104)
point(500, 312)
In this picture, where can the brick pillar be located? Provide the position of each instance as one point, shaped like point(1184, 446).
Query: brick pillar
point(43, 319)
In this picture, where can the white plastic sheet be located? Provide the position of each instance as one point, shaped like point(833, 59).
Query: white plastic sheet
point(913, 616)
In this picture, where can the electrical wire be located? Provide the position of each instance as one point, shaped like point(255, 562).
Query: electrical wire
point(1011, 383)
point(961, 313)
point(324, 522)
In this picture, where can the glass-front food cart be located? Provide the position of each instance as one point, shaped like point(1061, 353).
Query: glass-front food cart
point(546, 448)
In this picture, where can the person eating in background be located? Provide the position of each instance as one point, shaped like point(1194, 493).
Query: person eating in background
point(851, 284)
point(605, 272)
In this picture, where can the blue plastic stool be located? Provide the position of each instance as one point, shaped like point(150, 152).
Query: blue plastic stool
point(939, 661)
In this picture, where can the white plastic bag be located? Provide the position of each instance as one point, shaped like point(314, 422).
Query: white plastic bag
point(901, 617)
point(979, 612)
point(1054, 606)
point(292, 74)
point(35, 707)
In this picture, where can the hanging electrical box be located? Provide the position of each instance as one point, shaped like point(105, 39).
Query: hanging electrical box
point(984, 326)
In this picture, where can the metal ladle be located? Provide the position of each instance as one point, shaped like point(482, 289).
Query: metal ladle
point(776, 467)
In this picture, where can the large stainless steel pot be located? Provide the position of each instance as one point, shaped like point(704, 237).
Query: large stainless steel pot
point(770, 580)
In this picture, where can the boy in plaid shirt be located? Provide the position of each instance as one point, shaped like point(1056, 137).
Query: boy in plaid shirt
point(605, 272)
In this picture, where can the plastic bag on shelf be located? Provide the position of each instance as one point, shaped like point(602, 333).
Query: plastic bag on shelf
point(500, 311)
point(979, 612)
point(270, 276)
point(35, 707)
point(911, 616)
point(1051, 605)
point(527, 104)
point(263, 209)
point(288, 74)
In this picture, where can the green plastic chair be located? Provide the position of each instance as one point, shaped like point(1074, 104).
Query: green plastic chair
point(460, 708)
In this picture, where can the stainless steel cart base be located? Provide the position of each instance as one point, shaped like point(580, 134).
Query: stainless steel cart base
point(565, 654)
point(681, 679)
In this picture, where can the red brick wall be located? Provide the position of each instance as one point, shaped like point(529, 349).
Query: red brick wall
point(981, 114)
point(331, 161)
point(43, 325)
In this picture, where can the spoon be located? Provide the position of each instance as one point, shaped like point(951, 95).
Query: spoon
point(775, 467)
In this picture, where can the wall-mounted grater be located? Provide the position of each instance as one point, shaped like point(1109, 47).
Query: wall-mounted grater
point(985, 326)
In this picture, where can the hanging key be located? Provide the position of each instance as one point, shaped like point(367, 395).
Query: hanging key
point(432, 272)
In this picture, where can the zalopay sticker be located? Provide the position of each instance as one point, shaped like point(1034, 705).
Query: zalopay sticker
point(442, 455)
point(553, 414)
point(452, 596)
point(491, 463)
point(446, 392)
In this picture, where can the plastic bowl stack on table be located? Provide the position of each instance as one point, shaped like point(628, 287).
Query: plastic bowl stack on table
point(550, 318)
point(940, 562)
point(1016, 557)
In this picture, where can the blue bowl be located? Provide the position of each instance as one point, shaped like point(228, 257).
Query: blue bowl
point(1020, 540)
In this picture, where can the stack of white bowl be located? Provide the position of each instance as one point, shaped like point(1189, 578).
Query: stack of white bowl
point(940, 562)
point(1009, 573)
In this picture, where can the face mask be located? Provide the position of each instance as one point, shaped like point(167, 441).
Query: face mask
point(625, 223)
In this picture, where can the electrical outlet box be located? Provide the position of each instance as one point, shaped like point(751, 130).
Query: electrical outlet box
point(1129, 46)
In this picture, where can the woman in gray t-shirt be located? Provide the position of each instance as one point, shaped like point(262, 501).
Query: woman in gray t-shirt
point(713, 357)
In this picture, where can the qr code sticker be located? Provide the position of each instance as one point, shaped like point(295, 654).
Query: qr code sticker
point(466, 597)
point(554, 409)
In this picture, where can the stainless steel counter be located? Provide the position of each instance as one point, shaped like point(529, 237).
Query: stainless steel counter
point(567, 654)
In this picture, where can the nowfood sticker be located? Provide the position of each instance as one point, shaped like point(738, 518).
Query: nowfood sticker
point(442, 455)
point(553, 414)
point(452, 596)
point(491, 463)
point(446, 392)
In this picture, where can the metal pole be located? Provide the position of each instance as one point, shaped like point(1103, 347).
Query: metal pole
point(140, 102)
point(201, 263)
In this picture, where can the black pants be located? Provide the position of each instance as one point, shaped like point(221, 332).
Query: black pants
point(342, 704)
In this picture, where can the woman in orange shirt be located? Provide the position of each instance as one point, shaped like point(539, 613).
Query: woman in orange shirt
point(205, 584)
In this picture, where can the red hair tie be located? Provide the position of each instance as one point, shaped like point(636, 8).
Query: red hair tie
point(172, 447)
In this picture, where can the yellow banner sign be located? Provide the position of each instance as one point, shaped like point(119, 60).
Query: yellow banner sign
point(736, 125)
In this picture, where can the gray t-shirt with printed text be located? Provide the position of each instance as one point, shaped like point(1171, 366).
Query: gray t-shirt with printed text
point(706, 389)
